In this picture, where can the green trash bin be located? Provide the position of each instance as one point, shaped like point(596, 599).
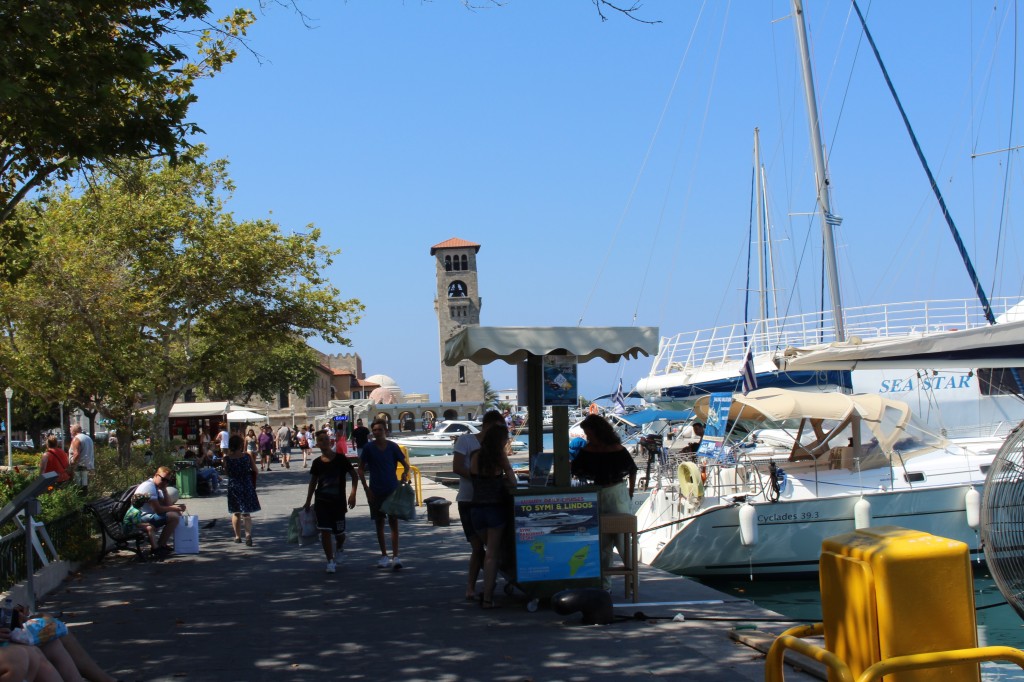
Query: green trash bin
point(185, 479)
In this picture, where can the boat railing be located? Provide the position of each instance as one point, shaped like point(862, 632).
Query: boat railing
point(721, 345)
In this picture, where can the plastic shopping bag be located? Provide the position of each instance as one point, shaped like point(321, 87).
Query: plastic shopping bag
point(186, 535)
point(401, 503)
point(307, 526)
point(294, 527)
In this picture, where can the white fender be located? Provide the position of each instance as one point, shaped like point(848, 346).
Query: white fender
point(862, 514)
point(972, 501)
point(748, 525)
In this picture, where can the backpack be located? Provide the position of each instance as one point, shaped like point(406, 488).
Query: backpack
point(124, 501)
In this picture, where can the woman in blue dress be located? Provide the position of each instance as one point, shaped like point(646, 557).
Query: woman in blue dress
point(242, 499)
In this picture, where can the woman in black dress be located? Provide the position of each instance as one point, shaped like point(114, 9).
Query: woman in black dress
point(242, 499)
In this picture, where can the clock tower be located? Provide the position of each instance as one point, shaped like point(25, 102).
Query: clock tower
point(457, 304)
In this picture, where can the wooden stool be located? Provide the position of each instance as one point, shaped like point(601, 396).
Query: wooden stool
point(625, 524)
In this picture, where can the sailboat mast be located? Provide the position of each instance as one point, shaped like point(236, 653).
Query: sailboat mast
point(762, 294)
point(821, 176)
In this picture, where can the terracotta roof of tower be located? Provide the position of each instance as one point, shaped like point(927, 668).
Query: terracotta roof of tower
point(455, 243)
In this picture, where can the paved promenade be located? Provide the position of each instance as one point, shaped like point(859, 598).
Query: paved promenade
point(270, 612)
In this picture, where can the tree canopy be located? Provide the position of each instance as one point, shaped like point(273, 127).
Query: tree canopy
point(85, 82)
point(144, 287)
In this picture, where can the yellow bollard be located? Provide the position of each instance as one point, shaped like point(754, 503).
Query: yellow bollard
point(888, 592)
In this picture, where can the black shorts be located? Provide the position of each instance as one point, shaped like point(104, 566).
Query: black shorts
point(465, 516)
point(375, 511)
point(330, 515)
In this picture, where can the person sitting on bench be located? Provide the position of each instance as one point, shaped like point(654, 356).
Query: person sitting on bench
point(159, 510)
point(133, 519)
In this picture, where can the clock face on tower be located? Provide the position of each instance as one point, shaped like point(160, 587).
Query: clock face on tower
point(456, 289)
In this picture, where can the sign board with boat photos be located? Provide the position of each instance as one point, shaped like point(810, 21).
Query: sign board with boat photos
point(560, 372)
point(711, 445)
point(557, 539)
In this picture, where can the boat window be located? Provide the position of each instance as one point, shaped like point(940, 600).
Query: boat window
point(984, 469)
point(913, 476)
point(998, 380)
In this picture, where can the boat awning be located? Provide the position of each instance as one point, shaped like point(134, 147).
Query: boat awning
point(1000, 345)
point(779, 404)
point(484, 345)
point(648, 416)
point(886, 418)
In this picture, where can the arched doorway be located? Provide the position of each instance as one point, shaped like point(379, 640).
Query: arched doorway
point(406, 421)
point(384, 417)
point(451, 414)
point(428, 419)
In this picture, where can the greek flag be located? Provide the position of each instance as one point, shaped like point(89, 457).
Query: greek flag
point(747, 370)
point(619, 399)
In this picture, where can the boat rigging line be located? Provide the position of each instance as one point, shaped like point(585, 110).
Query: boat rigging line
point(978, 289)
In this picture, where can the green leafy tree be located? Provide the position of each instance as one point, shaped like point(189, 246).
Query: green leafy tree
point(82, 83)
point(490, 395)
point(148, 288)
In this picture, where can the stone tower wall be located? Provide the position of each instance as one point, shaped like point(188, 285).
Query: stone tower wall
point(455, 312)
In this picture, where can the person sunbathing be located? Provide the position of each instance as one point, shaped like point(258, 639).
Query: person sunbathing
point(64, 659)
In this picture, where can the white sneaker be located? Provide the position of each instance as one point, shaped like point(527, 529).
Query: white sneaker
point(339, 558)
point(331, 567)
point(384, 562)
point(396, 563)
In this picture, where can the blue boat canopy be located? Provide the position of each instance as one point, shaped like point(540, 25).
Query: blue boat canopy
point(648, 416)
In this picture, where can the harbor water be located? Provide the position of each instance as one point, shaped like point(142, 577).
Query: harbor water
point(998, 623)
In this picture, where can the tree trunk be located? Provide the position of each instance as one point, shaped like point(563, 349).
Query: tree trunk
point(159, 427)
point(125, 435)
point(91, 416)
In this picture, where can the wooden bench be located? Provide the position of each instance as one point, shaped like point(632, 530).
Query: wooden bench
point(114, 537)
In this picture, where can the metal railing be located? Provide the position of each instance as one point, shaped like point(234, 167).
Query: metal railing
point(62, 531)
point(708, 347)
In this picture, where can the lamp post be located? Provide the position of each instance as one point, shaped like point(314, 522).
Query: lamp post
point(9, 393)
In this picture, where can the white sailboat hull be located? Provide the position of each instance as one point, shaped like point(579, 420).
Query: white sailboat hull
point(790, 532)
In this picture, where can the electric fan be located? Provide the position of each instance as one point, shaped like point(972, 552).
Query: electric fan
point(1002, 519)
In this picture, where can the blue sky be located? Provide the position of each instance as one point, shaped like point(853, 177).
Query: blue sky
point(605, 166)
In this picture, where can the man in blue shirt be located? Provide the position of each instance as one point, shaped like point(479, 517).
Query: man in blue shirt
point(381, 456)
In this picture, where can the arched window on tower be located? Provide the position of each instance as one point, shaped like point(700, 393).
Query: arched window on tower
point(448, 263)
point(453, 395)
point(465, 262)
point(455, 263)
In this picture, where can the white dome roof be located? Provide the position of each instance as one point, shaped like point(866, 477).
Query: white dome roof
point(382, 380)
